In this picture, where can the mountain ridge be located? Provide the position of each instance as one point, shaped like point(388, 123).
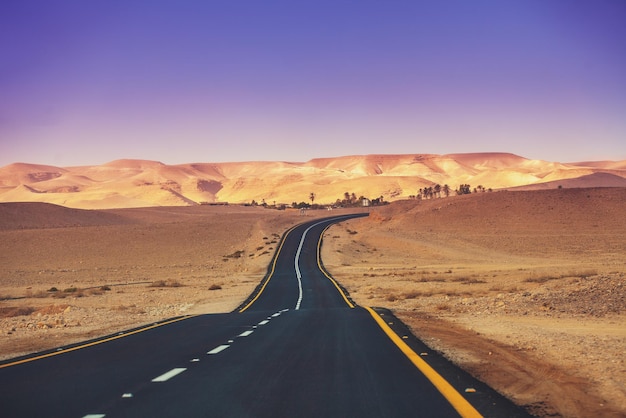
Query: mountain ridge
point(136, 182)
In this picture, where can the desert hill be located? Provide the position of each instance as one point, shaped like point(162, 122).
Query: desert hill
point(33, 215)
point(140, 183)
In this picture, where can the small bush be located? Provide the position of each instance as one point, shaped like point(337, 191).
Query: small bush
point(163, 283)
point(236, 254)
point(215, 287)
point(540, 279)
point(474, 281)
point(431, 279)
point(392, 298)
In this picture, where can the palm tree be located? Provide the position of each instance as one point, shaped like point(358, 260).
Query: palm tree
point(437, 190)
point(464, 189)
point(446, 190)
point(312, 197)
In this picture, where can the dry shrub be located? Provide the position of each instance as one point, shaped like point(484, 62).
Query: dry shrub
point(69, 292)
point(412, 295)
point(474, 281)
point(468, 280)
point(164, 283)
point(236, 254)
point(453, 293)
point(443, 307)
point(431, 279)
point(391, 298)
point(541, 279)
point(215, 287)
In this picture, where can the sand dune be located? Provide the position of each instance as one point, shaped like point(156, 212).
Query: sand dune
point(138, 183)
point(32, 215)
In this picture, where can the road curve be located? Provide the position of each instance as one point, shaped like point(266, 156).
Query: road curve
point(297, 347)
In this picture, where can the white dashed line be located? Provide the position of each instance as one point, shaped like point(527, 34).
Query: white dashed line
point(276, 314)
point(264, 322)
point(95, 416)
point(218, 349)
point(297, 262)
point(246, 333)
point(194, 360)
point(167, 376)
point(127, 395)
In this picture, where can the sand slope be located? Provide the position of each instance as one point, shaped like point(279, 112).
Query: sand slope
point(140, 183)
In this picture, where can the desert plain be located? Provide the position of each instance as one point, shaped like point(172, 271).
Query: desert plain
point(524, 289)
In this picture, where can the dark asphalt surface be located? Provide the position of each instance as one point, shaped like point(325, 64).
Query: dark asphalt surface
point(297, 349)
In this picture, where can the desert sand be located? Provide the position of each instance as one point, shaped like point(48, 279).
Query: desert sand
point(526, 290)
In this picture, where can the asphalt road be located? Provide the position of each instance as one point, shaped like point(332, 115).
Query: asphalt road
point(298, 347)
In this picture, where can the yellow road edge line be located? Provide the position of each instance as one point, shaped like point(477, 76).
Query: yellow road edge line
point(106, 340)
point(319, 265)
point(271, 271)
point(458, 402)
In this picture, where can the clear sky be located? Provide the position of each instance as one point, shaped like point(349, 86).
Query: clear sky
point(89, 81)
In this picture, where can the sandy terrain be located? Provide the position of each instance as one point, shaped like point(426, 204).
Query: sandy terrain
point(526, 290)
point(126, 267)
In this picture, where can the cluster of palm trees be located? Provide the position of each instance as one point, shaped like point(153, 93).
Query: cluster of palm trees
point(433, 191)
point(437, 190)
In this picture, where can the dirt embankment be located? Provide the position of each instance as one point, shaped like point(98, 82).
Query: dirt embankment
point(526, 290)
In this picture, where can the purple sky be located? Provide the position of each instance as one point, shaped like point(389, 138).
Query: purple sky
point(86, 82)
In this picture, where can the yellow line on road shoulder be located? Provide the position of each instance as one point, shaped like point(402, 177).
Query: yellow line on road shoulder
point(272, 270)
point(105, 340)
point(458, 402)
point(328, 276)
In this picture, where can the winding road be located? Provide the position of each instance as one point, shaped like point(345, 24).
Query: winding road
point(298, 347)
